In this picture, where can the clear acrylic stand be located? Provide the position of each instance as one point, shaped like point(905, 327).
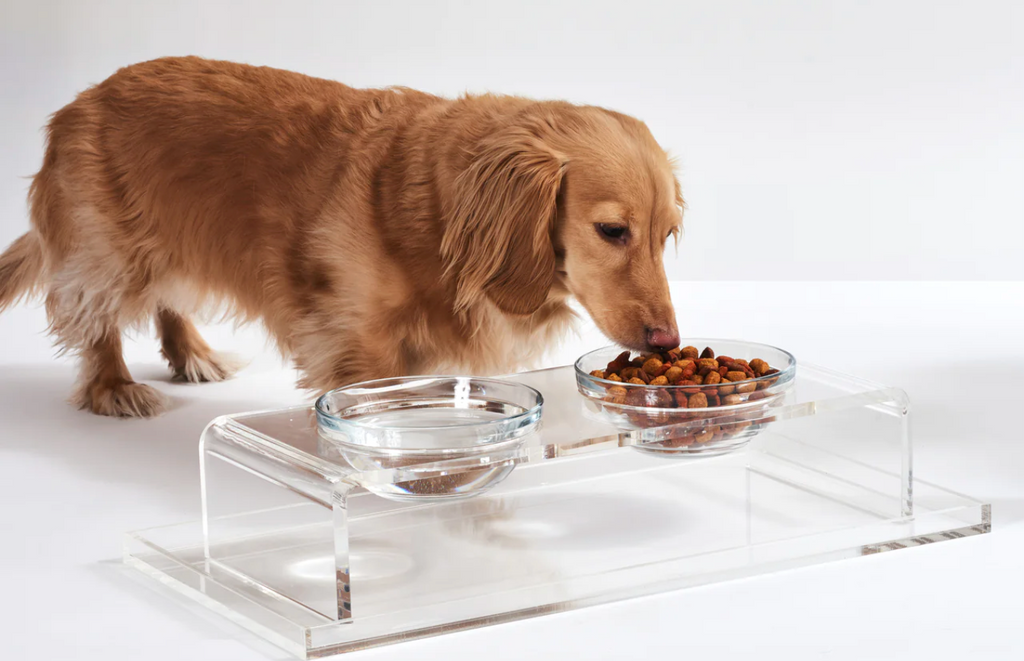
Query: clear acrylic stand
point(295, 546)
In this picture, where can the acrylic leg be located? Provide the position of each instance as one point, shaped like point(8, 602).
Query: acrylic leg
point(341, 555)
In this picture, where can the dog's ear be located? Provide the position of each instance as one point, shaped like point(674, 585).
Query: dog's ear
point(498, 238)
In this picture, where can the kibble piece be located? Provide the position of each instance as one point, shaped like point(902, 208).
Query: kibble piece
point(704, 436)
point(712, 378)
point(697, 401)
point(736, 376)
point(598, 373)
point(636, 397)
point(759, 366)
point(620, 361)
point(616, 395)
point(679, 441)
point(637, 381)
point(661, 381)
point(673, 374)
point(614, 377)
point(690, 352)
point(616, 399)
point(730, 400)
point(707, 353)
point(661, 398)
point(710, 363)
point(746, 387)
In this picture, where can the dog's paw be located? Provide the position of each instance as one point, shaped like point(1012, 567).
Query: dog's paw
point(208, 368)
point(125, 399)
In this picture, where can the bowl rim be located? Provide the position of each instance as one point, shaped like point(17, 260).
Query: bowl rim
point(536, 409)
point(788, 371)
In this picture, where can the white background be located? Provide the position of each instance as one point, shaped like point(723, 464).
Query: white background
point(820, 141)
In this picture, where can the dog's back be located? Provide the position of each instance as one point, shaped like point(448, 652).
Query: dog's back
point(165, 159)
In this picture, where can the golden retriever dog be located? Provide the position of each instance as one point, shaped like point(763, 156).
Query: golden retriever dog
point(374, 232)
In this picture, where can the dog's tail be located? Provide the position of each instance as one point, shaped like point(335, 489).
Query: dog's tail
point(21, 268)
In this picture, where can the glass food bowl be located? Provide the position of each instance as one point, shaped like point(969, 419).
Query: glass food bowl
point(476, 426)
point(660, 415)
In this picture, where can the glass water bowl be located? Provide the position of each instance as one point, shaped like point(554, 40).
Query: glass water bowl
point(446, 437)
point(664, 426)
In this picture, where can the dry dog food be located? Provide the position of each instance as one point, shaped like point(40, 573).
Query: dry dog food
point(700, 379)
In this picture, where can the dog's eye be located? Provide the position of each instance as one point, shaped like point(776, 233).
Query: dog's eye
point(617, 233)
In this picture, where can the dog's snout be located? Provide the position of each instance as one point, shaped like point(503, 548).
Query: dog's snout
point(661, 338)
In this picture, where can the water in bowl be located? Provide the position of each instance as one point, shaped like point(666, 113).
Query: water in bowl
point(430, 425)
point(404, 434)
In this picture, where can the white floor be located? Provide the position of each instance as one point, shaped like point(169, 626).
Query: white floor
point(71, 483)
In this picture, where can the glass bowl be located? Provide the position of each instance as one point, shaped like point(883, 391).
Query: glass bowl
point(476, 426)
point(660, 417)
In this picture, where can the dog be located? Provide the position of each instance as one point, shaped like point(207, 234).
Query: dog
point(374, 232)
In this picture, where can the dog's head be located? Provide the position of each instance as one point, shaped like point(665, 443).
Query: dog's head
point(569, 201)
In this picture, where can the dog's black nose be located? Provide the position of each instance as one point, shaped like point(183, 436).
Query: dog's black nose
point(659, 338)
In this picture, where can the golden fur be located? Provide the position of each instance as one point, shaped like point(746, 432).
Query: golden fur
point(373, 232)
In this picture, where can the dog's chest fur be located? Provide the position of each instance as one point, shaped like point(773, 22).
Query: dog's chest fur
point(493, 342)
